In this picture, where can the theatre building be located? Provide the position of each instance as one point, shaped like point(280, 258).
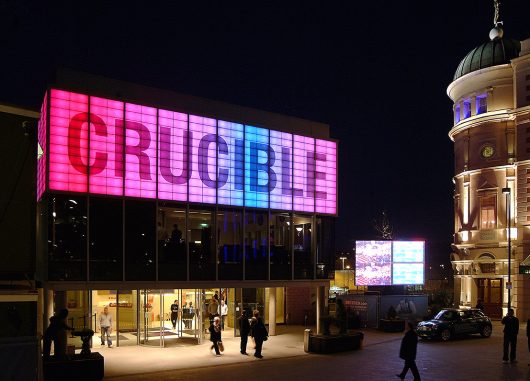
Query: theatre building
point(146, 196)
point(491, 135)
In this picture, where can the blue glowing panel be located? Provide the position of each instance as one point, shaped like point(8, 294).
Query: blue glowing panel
point(281, 196)
point(257, 166)
point(231, 159)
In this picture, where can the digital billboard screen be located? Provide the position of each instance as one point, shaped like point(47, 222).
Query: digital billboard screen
point(373, 263)
point(110, 147)
point(385, 263)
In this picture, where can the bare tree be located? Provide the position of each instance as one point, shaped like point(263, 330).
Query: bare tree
point(383, 227)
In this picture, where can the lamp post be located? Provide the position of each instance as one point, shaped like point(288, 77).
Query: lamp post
point(507, 192)
point(343, 258)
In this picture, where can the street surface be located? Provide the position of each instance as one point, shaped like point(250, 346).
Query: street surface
point(469, 358)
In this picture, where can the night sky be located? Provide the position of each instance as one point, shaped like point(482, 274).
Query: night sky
point(376, 71)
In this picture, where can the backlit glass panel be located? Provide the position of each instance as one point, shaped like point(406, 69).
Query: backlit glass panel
point(325, 176)
point(203, 180)
point(173, 169)
point(303, 173)
point(281, 196)
point(256, 167)
point(231, 163)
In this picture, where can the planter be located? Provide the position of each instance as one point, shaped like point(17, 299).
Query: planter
point(335, 343)
point(392, 325)
point(77, 367)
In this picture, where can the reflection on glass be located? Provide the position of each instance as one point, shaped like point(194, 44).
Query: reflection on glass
point(303, 258)
point(172, 256)
point(67, 229)
point(256, 247)
point(201, 245)
point(106, 246)
point(280, 237)
point(139, 240)
point(325, 247)
point(230, 244)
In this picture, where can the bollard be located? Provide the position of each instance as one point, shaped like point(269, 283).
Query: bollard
point(307, 333)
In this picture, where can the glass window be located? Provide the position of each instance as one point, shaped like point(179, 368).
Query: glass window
point(106, 239)
point(325, 247)
point(488, 218)
point(457, 113)
point(281, 246)
point(481, 105)
point(467, 108)
point(140, 240)
point(172, 255)
point(67, 230)
point(201, 244)
point(230, 244)
point(256, 245)
point(303, 257)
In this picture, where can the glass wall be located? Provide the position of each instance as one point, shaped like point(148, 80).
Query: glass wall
point(325, 247)
point(201, 244)
point(230, 244)
point(106, 239)
point(172, 252)
point(281, 247)
point(67, 229)
point(303, 258)
point(256, 245)
point(140, 222)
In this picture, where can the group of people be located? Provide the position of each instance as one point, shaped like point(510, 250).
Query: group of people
point(188, 312)
point(253, 327)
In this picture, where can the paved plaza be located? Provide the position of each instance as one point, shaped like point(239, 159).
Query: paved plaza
point(469, 358)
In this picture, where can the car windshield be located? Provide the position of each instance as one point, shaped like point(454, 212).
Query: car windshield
point(445, 315)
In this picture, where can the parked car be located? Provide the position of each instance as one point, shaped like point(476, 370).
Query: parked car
point(453, 321)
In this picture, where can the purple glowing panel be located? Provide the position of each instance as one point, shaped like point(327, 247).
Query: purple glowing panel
point(325, 176)
point(257, 167)
point(202, 183)
point(303, 173)
point(281, 196)
point(140, 151)
point(174, 168)
point(373, 263)
point(41, 138)
point(231, 157)
point(68, 146)
point(106, 157)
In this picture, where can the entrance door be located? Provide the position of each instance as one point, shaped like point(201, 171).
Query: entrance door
point(490, 291)
point(152, 318)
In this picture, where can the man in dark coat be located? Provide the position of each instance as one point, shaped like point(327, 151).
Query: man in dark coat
point(244, 330)
point(215, 335)
point(511, 329)
point(407, 352)
point(259, 333)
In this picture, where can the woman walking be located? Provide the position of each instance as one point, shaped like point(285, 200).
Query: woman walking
point(215, 335)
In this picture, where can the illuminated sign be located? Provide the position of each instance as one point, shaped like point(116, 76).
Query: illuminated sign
point(385, 263)
point(145, 152)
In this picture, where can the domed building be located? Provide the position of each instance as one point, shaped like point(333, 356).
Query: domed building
point(491, 135)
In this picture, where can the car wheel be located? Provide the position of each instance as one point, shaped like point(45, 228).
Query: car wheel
point(486, 331)
point(446, 334)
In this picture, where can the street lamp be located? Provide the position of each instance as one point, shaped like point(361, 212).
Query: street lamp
point(343, 258)
point(507, 192)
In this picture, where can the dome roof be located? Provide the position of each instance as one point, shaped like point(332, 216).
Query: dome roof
point(498, 51)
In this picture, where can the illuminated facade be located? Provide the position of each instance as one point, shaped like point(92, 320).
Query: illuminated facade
point(166, 197)
point(491, 135)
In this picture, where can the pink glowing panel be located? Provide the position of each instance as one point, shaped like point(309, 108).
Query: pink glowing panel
point(41, 138)
point(202, 183)
point(303, 173)
point(68, 147)
point(140, 151)
point(281, 197)
point(230, 163)
point(326, 177)
point(106, 147)
point(173, 170)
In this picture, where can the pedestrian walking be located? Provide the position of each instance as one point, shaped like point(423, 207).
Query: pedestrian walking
point(259, 332)
point(407, 352)
point(105, 324)
point(511, 330)
point(244, 330)
point(215, 335)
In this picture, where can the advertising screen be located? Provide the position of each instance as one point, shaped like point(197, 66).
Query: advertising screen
point(373, 263)
point(109, 147)
point(385, 263)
